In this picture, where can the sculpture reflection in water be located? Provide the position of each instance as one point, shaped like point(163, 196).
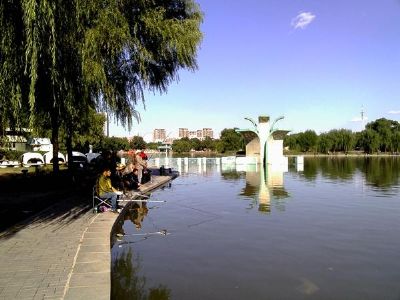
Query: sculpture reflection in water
point(262, 182)
point(265, 184)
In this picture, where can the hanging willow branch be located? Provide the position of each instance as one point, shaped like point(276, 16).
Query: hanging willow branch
point(61, 58)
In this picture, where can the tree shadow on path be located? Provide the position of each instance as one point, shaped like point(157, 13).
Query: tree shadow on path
point(42, 201)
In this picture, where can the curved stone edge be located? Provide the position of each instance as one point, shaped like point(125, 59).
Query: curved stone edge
point(90, 276)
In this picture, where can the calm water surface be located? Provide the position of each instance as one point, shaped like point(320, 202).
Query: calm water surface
point(331, 231)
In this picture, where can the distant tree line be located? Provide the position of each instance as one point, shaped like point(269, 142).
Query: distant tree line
point(229, 141)
point(381, 135)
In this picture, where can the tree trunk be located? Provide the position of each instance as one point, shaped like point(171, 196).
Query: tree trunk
point(54, 140)
point(68, 143)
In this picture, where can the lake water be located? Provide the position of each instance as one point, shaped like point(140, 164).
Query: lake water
point(331, 231)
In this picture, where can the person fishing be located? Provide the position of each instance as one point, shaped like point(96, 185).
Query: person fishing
point(140, 165)
point(106, 190)
point(130, 178)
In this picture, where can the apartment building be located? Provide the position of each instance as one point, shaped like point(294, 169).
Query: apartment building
point(208, 132)
point(192, 134)
point(200, 134)
point(183, 132)
point(159, 135)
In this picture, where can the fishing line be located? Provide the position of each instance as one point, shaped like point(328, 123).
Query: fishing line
point(202, 222)
point(199, 210)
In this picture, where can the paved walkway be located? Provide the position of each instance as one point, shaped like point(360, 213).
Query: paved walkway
point(63, 253)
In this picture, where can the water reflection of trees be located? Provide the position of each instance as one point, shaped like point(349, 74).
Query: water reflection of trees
point(381, 172)
point(126, 282)
point(232, 175)
point(263, 187)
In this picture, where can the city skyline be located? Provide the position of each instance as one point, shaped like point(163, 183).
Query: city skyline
point(317, 64)
point(160, 134)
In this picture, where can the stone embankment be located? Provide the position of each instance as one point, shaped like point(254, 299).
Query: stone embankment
point(61, 253)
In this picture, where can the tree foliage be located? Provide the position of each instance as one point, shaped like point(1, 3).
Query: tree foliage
point(60, 58)
point(182, 145)
point(325, 143)
point(153, 146)
point(230, 140)
point(385, 129)
point(208, 144)
point(137, 142)
point(370, 141)
point(114, 144)
point(380, 135)
point(307, 140)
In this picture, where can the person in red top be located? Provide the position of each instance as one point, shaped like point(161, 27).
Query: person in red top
point(140, 165)
point(143, 155)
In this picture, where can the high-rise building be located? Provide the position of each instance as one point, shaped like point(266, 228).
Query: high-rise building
point(192, 134)
point(208, 132)
point(201, 134)
point(169, 140)
point(159, 135)
point(183, 132)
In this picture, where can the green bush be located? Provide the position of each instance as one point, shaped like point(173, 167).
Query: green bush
point(10, 154)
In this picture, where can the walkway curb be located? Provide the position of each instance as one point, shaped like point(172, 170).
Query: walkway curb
point(90, 274)
point(61, 253)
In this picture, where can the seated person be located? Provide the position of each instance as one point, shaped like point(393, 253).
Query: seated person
point(117, 178)
point(130, 178)
point(106, 190)
point(146, 176)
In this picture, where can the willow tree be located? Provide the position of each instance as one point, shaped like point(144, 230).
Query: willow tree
point(60, 58)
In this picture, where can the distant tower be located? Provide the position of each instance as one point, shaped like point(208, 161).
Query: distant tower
point(362, 118)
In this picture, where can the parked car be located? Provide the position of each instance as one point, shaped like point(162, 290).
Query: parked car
point(91, 157)
point(29, 159)
point(78, 159)
point(48, 158)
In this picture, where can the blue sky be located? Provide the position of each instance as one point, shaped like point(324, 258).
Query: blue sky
point(318, 63)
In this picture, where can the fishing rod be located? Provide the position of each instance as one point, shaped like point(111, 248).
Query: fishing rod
point(136, 195)
point(142, 200)
point(145, 236)
point(161, 232)
point(148, 201)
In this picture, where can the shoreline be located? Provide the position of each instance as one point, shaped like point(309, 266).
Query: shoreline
point(342, 155)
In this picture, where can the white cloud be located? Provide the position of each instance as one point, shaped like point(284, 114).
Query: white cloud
point(394, 112)
point(302, 20)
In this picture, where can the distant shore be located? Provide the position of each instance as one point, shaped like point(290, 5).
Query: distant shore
point(342, 155)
